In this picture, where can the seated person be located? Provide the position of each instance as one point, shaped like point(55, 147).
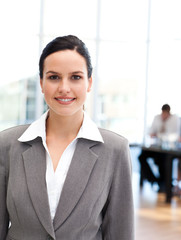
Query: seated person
point(164, 125)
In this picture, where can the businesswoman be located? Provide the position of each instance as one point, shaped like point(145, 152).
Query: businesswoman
point(61, 177)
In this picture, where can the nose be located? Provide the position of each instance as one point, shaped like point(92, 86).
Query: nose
point(64, 86)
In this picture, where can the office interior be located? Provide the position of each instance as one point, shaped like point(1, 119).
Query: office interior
point(136, 54)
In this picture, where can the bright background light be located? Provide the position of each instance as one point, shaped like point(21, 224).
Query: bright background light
point(135, 47)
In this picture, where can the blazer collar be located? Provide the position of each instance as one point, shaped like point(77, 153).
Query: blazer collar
point(35, 168)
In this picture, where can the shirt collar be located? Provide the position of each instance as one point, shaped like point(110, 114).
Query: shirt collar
point(36, 129)
point(88, 130)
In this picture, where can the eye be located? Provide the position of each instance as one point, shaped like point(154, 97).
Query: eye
point(76, 77)
point(53, 77)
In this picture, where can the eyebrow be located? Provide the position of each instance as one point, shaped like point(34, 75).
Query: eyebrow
point(52, 72)
point(76, 72)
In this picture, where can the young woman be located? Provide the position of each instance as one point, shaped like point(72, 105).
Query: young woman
point(61, 177)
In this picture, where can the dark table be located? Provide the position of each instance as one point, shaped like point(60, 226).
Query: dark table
point(170, 155)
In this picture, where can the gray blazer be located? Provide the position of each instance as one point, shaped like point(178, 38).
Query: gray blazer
point(96, 201)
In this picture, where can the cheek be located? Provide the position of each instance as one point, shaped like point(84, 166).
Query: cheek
point(82, 90)
point(48, 89)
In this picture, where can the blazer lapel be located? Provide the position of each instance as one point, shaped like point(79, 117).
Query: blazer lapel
point(35, 168)
point(78, 175)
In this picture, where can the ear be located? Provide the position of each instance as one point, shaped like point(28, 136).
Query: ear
point(41, 84)
point(89, 84)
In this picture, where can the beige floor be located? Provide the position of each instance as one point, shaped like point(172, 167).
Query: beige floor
point(155, 219)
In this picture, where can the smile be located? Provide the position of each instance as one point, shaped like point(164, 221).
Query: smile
point(65, 100)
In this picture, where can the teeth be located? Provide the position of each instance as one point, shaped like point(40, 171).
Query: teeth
point(65, 100)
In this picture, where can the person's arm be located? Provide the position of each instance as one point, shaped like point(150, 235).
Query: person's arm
point(118, 215)
point(4, 218)
point(154, 127)
point(176, 126)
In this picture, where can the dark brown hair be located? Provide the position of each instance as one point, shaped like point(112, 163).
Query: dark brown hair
point(63, 43)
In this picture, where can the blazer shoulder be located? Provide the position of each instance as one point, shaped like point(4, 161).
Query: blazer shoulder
point(116, 146)
point(12, 133)
point(113, 138)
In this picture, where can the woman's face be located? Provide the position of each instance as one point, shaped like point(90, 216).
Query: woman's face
point(65, 82)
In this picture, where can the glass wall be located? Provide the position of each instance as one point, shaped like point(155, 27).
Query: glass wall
point(122, 64)
point(19, 42)
point(164, 72)
point(135, 47)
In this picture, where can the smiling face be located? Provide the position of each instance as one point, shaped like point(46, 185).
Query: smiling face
point(65, 83)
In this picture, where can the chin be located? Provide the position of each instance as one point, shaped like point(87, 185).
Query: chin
point(68, 112)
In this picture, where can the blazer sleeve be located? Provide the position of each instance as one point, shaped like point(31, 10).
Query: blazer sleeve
point(4, 218)
point(118, 219)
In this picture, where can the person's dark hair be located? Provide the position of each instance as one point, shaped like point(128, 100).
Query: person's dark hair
point(166, 108)
point(63, 43)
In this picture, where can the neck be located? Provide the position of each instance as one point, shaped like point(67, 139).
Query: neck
point(63, 127)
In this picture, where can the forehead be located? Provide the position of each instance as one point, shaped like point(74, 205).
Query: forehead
point(65, 59)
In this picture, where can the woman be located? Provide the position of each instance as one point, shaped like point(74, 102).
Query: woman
point(61, 177)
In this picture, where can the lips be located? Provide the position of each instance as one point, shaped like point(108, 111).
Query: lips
point(66, 100)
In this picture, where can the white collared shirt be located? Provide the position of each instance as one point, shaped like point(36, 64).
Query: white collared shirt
point(55, 179)
point(171, 125)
